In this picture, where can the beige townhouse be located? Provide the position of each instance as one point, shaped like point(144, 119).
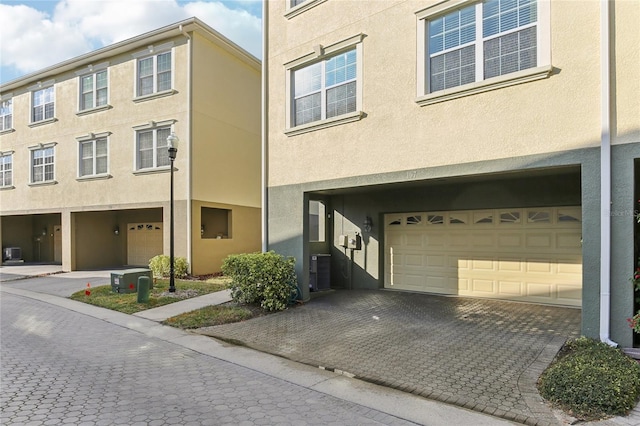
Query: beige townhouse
point(84, 165)
point(458, 147)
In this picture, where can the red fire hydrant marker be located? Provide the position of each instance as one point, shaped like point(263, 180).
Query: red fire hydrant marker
point(87, 292)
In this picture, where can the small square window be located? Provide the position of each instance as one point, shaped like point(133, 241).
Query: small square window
point(215, 223)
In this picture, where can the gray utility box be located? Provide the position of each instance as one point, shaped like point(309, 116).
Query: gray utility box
point(126, 281)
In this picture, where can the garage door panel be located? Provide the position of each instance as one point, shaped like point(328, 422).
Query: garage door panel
point(538, 266)
point(530, 255)
point(510, 265)
point(538, 241)
point(436, 261)
point(486, 240)
point(482, 265)
point(510, 288)
point(413, 241)
point(569, 241)
point(540, 291)
point(457, 241)
point(571, 294)
point(510, 240)
point(483, 286)
point(414, 260)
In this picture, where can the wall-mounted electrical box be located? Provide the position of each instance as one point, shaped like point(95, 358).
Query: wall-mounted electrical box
point(353, 242)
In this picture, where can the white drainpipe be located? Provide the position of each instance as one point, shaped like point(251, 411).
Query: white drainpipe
point(605, 177)
point(264, 151)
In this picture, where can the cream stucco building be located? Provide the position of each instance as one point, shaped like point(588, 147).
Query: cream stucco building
point(84, 163)
point(475, 148)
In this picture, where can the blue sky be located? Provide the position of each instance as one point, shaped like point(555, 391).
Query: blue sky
point(37, 34)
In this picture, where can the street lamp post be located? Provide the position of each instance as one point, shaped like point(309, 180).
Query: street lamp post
point(172, 145)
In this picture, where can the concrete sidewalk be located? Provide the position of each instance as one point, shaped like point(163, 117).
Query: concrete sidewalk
point(161, 313)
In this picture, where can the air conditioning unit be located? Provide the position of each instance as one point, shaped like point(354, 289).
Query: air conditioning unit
point(12, 253)
point(320, 272)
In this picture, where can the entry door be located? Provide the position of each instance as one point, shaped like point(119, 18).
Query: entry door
point(530, 255)
point(57, 244)
point(144, 241)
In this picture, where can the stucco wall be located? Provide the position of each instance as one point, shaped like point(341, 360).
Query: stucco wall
point(226, 126)
point(123, 186)
point(208, 253)
point(396, 133)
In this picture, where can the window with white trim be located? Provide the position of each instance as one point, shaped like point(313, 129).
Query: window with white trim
point(43, 103)
point(6, 170)
point(153, 74)
point(294, 3)
point(151, 148)
point(93, 90)
point(6, 115)
point(42, 164)
point(325, 89)
point(482, 41)
point(93, 157)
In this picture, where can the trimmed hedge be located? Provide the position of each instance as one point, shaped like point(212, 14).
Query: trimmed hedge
point(160, 266)
point(266, 279)
point(591, 380)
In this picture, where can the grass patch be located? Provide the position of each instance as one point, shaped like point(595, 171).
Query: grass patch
point(591, 380)
point(158, 296)
point(210, 316)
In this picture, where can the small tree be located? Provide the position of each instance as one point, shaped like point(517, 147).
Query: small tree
point(267, 279)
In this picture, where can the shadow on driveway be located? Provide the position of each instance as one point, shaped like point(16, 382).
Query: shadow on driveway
point(484, 355)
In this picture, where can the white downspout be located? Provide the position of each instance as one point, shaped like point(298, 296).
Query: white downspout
point(265, 128)
point(605, 177)
point(190, 152)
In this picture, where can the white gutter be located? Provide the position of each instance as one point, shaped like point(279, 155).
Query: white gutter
point(605, 176)
point(265, 93)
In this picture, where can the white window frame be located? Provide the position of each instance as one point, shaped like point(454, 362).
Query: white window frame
point(152, 52)
point(152, 126)
point(322, 54)
point(6, 102)
point(40, 87)
point(294, 10)
point(42, 148)
point(93, 138)
point(4, 171)
point(92, 70)
point(541, 71)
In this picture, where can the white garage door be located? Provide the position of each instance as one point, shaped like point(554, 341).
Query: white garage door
point(144, 241)
point(532, 255)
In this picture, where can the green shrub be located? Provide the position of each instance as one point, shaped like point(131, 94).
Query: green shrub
point(591, 380)
point(160, 266)
point(266, 279)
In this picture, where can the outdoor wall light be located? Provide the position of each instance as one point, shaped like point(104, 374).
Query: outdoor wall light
point(368, 224)
point(44, 232)
point(116, 230)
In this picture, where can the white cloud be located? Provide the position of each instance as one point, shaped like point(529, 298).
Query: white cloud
point(33, 39)
point(239, 26)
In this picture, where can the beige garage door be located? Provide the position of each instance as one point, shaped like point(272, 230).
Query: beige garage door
point(532, 255)
point(144, 241)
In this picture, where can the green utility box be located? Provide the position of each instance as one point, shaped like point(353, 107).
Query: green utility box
point(126, 281)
